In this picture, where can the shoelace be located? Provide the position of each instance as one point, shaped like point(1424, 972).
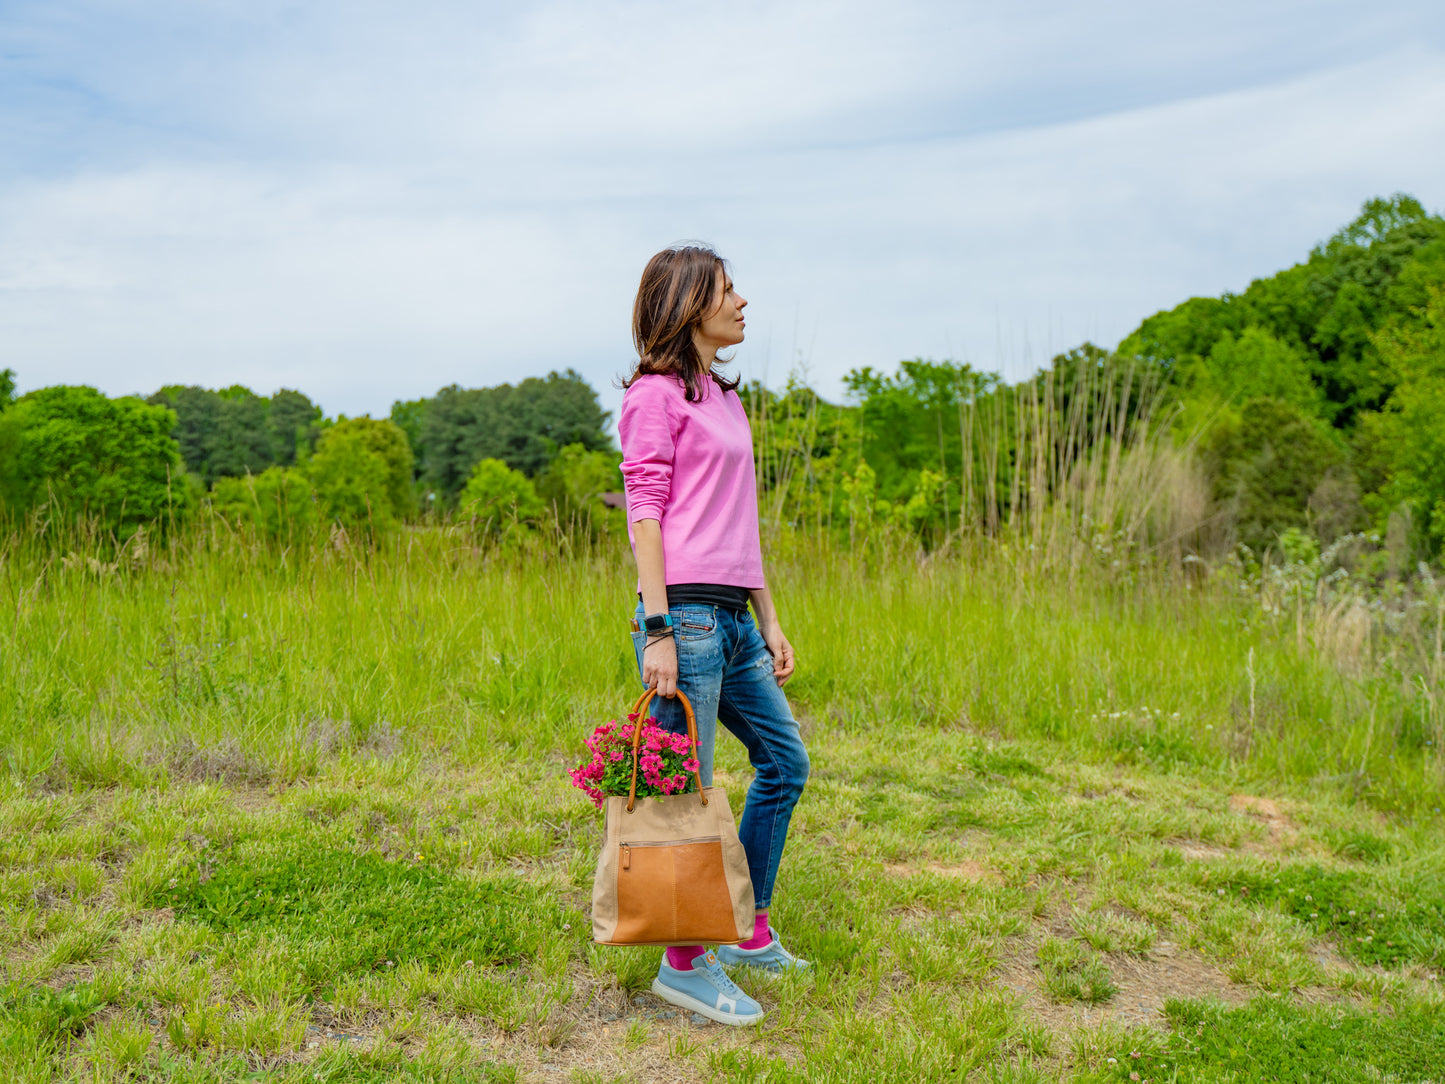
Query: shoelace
point(725, 982)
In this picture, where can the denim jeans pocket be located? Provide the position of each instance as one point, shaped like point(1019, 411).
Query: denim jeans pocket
point(694, 622)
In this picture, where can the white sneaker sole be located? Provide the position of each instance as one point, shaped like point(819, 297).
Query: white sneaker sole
point(702, 1008)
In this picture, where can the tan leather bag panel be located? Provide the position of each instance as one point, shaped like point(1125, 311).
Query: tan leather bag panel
point(676, 894)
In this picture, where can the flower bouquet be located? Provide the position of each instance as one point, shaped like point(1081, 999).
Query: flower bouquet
point(665, 765)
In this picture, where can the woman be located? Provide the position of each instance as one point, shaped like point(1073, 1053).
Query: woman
point(692, 511)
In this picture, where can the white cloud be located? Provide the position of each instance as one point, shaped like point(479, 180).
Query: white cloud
point(368, 206)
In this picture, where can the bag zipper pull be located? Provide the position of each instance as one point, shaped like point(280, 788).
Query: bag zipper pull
point(626, 856)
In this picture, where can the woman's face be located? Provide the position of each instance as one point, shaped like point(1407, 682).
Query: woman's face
point(723, 325)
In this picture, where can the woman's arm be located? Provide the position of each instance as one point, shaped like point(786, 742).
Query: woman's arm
point(659, 656)
point(782, 651)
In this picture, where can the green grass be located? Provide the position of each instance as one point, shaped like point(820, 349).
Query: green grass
point(1386, 920)
point(1071, 972)
point(308, 818)
point(328, 913)
point(1273, 1040)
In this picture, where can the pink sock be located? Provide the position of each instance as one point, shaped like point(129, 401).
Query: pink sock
point(680, 957)
point(762, 937)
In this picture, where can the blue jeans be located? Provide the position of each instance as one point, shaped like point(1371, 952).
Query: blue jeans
point(726, 671)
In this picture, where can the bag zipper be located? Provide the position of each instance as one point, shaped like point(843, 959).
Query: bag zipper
point(627, 847)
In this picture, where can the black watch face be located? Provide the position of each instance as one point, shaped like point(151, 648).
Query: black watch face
point(656, 624)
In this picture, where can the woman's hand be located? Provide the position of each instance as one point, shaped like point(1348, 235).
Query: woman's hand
point(659, 665)
point(782, 652)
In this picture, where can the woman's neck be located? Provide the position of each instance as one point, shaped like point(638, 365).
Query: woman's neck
point(706, 354)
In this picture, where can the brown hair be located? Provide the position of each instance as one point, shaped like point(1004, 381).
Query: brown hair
point(677, 291)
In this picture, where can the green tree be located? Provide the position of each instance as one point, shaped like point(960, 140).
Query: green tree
point(524, 426)
point(574, 482)
point(497, 499)
point(1379, 218)
point(113, 459)
point(1267, 461)
point(219, 433)
point(234, 432)
point(1409, 434)
point(914, 421)
point(1325, 310)
point(240, 443)
point(293, 424)
point(1185, 334)
point(1253, 366)
point(7, 387)
point(350, 482)
point(410, 416)
point(278, 503)
point(803, 445)
point(362, 472)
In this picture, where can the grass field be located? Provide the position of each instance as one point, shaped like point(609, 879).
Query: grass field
point(305, 816)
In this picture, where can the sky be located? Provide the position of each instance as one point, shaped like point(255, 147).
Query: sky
point(367, 201)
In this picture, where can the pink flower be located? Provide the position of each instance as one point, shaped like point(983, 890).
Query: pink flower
point(660, 765)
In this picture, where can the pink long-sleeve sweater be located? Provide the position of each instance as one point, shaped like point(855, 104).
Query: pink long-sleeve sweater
point(690, 467)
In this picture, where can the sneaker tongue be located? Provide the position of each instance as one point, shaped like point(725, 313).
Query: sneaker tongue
point(711, 957)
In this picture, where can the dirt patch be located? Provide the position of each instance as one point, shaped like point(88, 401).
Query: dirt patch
point(1193, 848)
point(967, 870)
point(160, 916)
point(217, 762)
point(1281, 829)
point(1144, 984)
point(602, 1030)
point(331, 736)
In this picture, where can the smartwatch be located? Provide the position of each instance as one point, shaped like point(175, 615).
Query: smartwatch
point(653, 624)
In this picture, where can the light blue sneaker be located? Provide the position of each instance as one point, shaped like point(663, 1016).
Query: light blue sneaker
point(771, 957)
point(708, 991)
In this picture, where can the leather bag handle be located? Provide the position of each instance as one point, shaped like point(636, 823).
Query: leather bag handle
point(640, 710)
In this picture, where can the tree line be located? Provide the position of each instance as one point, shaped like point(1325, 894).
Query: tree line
point(278, 465)
point(1311, 405)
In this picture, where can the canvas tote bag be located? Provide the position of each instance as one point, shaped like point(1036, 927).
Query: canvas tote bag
point(672, 870)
